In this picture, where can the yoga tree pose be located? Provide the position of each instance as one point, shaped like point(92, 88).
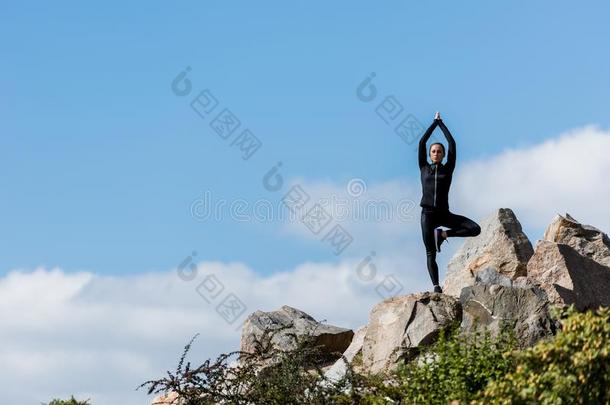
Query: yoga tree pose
point(435, 181)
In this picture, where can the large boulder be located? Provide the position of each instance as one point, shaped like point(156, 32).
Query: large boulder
point(490, 306)
point(569, 277)
point(501, 245)
point(288, 324)
point(585, 239)
point(400, 325)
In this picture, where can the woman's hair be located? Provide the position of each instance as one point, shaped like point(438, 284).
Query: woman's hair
point(437, 143)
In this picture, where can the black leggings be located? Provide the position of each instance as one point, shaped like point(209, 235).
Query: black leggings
point(459, 224)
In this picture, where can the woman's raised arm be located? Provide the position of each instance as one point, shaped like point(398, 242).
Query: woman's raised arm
point(451, 142)
point(423, 159)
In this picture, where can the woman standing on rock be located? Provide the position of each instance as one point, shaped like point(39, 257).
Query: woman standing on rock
point(435, 181)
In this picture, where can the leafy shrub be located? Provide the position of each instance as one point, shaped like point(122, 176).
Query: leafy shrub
point(571, 367)
point(574, 367)
point(463, 366)
point(455, 367)
point(269, 376)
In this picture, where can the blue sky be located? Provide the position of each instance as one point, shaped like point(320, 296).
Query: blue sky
point(101, 160)
point(102, 163)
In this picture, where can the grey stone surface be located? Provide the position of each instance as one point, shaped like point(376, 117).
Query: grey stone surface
point(501, 245)
point(585, 239)
point(569, 277)
point(524, 309)
point(300, 324)
point(399, 325)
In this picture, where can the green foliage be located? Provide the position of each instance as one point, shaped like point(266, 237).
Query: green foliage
point(573, 368)
point(266, 376)
point(71, 401)
point(455, 367)
point(463, 366)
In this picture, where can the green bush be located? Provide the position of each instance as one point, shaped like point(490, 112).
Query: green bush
point(573, 368)
point(267, 376)
point(463, 366)
point(455, 367)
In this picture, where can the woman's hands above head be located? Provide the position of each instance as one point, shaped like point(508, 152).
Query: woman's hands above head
point(437, 116)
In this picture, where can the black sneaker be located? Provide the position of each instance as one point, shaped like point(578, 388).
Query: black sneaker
point(438, 289)
point(438, 239)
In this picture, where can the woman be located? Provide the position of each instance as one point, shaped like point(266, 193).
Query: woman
point(436, 180)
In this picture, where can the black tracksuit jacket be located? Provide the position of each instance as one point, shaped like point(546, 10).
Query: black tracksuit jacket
point(436, 178)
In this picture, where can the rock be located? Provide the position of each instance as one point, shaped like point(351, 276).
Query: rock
point(523, 282)
point(501, 245)
point(491, 276)
point(330, 338)
point(490, 306)
point(338, 370)
point(399, 325)
point(171, 398)
point(569, 277)
point(585, 239)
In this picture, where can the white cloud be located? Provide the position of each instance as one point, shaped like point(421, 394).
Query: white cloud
point(99, 337)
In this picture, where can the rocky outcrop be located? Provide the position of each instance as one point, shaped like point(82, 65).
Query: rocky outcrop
point(569, 277)
point(490, 306)
point(399, 325)
point(585, 239)
point(501, 245)
point(291, 323)
point(494, 279)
